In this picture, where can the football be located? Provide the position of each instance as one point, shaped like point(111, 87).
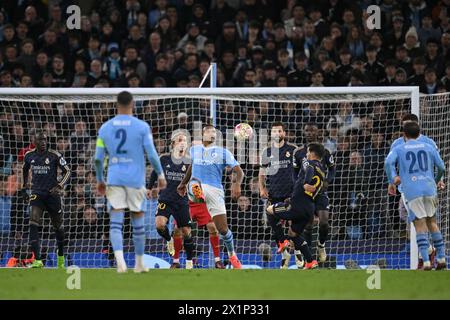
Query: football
point(243, 131)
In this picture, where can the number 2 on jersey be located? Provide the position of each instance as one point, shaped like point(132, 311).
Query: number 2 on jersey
point(420, 158)
point(122, 135)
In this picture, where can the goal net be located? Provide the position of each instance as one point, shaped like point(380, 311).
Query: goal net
point(357, 125)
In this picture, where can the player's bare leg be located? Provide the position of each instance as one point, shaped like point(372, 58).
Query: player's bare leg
point(163, 231)
point(438, 243)
point(35, 221)
point(323, 234)
point(116, 237)
point(215, 244)
point(188, 243)
point(222, 226)
point(137, 220)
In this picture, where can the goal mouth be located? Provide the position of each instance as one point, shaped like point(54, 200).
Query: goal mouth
point(356, 125)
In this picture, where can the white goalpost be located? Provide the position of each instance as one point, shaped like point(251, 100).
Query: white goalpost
point(356, 124)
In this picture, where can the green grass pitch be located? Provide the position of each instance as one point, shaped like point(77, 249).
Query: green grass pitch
point(223, 284)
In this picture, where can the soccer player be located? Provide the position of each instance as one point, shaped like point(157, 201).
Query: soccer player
point(45, 194)
point(300, 208)
point(199, 213)
point(208, 164)
point(417, 162)
point(170, 203)
point(311, 134)
point(125, 138)
point(276, 178)
point(400, 141)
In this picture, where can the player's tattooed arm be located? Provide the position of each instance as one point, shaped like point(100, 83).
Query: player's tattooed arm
point(237, 178)
point(182, 189)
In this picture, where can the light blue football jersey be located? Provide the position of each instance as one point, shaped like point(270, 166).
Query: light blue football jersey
point(208, 164)
point(126, 140)
point(416, 164)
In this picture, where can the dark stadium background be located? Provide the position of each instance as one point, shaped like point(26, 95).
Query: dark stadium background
point(255, 43)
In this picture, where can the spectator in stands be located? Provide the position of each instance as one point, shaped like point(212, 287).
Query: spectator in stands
point(79, 139)
point(133, 63)
point(431, 82)
point(60, 76)
point(427, 31)
point(6, 159)
point(389, 71)
point(395, 36)
point(346, 118)
point(432, 57)
point(95, 73)
point(5, 207)
point(412, 43)
point(193, 35)
point(27, 56)
point(402, 59)
point(189, 67)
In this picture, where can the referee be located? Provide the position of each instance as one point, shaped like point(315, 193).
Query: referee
point(45, 193)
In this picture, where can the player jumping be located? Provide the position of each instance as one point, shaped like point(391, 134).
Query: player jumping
point(400, 141)
point(170, 203)
point(125, 138)
point(311, 134)
point(417, 162)
point(300, 208)
point(208, 164)
point(276, 178)
point(45, 194)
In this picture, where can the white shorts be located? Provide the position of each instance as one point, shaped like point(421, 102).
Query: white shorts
point(215, 200)
point(120, 197)
point(422, 207)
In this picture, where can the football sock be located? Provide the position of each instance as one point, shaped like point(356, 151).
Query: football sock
point(138, 235)
point(59, 235)
point(228, 241)
point(178, 245)
point(301, 244)
point(422, 244)
point(164, 233)
point(115, 230)
point(189, 247)
point(307, 233)
point(323, 232)
point(34, 241)
point(438, 243)
point(277, 228)
point(215, 244)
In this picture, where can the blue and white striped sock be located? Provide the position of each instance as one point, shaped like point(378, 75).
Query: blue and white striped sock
point(422, 244)
point(138, 235)
point(228, 241)
point(438, 243)
point(115, 230)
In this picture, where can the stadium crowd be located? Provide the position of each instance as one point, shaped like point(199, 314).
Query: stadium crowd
point(168, 43)
point(267, 43)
